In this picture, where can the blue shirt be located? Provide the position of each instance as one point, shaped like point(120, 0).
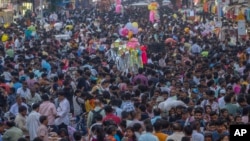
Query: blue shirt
point(148, 137)
point(153, 120)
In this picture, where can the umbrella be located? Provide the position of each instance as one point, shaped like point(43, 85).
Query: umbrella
point(140, 4)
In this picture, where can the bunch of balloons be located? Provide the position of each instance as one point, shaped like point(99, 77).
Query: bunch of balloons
point(118, 7)
point(153, 14)
point(30, 32)
point(129, 30)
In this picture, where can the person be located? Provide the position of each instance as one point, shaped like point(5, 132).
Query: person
point(158, 130)
point(129, 135)
point(77, 136)
point(63, 110)
point(14, 108)
point(111, 131)
point(34, 97)
point(196, 135)
point(77, 104)
point(42, 131)
point(33, 121)
point(157, 115)
point(110, 116)
point(48, 109)
point(24, 91)
point(2, 128)
point(21, 119)
point(148, 136)
point(143, 79)
point(177, 133)
point(91, 115)
point(12, 133)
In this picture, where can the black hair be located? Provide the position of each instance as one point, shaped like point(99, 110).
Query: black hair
point(22, 109)
point(158, 125)
point(37, 139)
point(45, 97)
point(77, 136)
point(22, 139)
point(137, 127)
point(42, 118)
point(149, 128)
point(188, 130)
point(35, 106)
point(157, 111)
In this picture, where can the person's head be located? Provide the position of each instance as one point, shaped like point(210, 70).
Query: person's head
point(224, 113)
point(220, 126)
point(238, 119)
point(45, 97)
point(108, 109)
point(198, 114)
point(19, 100)
point(62, 132)
point(208, 137)
point(111, 130)
point(224, 137)
point(24, 85)
point(157, 112)
point(35, 107)
point(149, 128)
point(158, 125)
point(22, 110)
point(77, 136)
point(138, 127)
point(210, 95)
point(61, 95)
point(186, 138)
point(227, 98)
point(43, 120)
point(188, 130)
point(208, 109)
point(214, 116)
point(176, 127)
point(129, 132)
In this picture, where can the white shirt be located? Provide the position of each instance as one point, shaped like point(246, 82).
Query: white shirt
point(14, 108)
point(221, 102)
point(25, 94)
point(33, 124)
point(63, 112)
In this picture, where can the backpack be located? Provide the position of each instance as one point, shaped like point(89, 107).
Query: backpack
point(95, 113)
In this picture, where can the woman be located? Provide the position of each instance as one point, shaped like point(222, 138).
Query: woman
point(98, 134)
point(224, 137)
point(129, 135)
point(208, 110)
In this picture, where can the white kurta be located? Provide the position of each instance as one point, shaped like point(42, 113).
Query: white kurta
point(63, 111)
point(33, 124)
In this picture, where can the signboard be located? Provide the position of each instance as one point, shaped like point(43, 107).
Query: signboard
point(241, 27)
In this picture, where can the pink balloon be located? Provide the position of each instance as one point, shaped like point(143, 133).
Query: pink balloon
point(120, 32)
point(152, 16)
point(125, 31)
point(118, 8)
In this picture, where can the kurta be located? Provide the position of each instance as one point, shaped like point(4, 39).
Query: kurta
point(33, 124)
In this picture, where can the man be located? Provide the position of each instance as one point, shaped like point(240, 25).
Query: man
point(33, 121)
point(148, 136)
point(33, 97)
point(210, 94)
point(12, 133)
point(48, 109)
point(110, 116)
point(232, 108)
point(142, 77)
point(21, 119)
point(14, 107)
point(98, 108)
point(157, 115)
point(158, 131)
point(196, 135)
point(24, 91)
point(177, 133)
point(42, 131)
point(63, 110)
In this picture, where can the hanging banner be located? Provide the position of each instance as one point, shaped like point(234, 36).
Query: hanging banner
point(241, 27)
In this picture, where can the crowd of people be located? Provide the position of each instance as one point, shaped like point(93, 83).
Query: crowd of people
point(67, 89)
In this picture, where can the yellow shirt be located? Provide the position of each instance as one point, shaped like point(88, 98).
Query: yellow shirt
point(161, 136)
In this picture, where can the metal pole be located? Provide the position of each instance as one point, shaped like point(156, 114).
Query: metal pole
point(41, 6)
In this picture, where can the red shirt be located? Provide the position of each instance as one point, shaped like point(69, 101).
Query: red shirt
point(113, 117)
